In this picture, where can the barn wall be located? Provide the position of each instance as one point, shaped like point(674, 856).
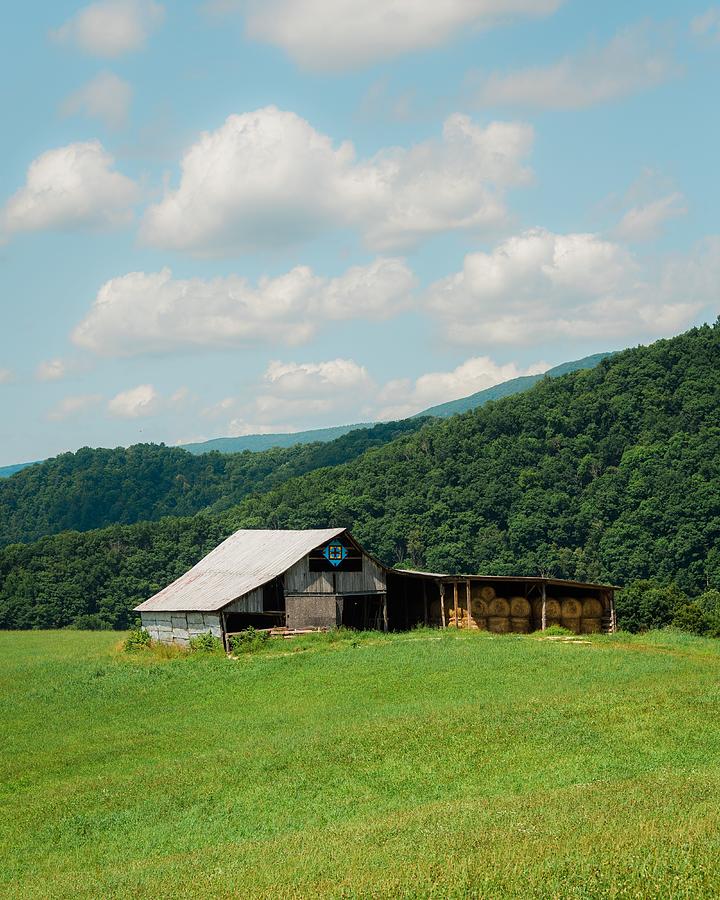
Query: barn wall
point(179, 627)
point(300, 580)
point(313, 611)
point(250, 603)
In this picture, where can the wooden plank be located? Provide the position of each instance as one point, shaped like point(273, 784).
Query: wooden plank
point(385, 612)
point(469, 604)
point(544, 608)
point(442, 603)
point(455, 603)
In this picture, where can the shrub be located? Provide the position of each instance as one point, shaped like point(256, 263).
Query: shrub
point(248, 641)
point(647, 604)
point(205, 643)
point(138, 639)
point(557, 631)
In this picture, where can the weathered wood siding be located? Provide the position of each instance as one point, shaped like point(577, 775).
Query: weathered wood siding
point(179, 627)
point(250, 603)
point(314, 611)
point(300, 580)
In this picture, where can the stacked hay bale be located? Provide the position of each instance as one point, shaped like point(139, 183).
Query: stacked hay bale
point(480, 596)
point(571, 613)
point(520, 615)
point(592, 613)
point(498, 615)
point(553, 612)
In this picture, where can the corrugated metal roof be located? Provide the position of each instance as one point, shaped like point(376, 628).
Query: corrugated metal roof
point(535, 579)
point(245, 561)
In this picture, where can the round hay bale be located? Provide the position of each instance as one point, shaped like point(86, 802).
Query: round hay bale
point(520, 625)
point(498, 607)
point(487, 592)
point(571, 625)
point(591, 626)
point(553, 620)
point(553, 610)
point(592, 608)
point(520, 608)
point(571, 608)
point(498, 624)
point(479, 608)
point(481, 623)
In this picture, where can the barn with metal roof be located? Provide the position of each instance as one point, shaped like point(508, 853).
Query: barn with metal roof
point(323, 578)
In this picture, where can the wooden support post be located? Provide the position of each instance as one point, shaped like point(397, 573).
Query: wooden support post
point(442, 603)
point(425, 601)
point(613, 614)
point(544, 608)
point(469, 603)
point(385, 613)
point(455, 603)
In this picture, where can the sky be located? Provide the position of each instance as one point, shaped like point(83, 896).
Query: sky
point(225, 217)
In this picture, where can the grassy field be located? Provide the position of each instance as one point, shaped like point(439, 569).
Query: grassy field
point(418, 765)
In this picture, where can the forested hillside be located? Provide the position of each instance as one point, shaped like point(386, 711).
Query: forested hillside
point(611, 473)
point(93, 488)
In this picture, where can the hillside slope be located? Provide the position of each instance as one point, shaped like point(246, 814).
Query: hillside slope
point(259, 442)
point(93, 488)
point(611, 473)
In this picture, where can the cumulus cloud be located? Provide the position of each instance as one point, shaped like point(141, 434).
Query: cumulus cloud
point(111, 28)
point(51, 370)
point(153, 312)
point(404, 397)
point(6, 376)
point(707, 25)
point(71, 187)
point(541, 286)
point(268, 178)
point(72, 406)
point(135, 403)
point(342, 34)
point(105, 97)
point(631, 62)
point(645, 222)
point(291, 394)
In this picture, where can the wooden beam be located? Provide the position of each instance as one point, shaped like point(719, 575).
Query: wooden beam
point(469, 603)
point(385, 612)
point(455, 603)
point(442, 603)
point(544, 607)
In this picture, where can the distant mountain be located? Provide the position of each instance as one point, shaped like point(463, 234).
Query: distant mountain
point(258, 442)
point(7, 471)
point(508, 388)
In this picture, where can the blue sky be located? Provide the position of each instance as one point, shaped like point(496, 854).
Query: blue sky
point(229, 217)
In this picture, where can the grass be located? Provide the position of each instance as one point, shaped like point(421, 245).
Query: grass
point(421, 765)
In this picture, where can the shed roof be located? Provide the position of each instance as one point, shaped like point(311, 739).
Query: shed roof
point(245, 561)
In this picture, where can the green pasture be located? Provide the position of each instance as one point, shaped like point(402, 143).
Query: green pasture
point(417, 765)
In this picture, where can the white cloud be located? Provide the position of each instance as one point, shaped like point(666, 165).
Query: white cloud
point(267, 178)
point(644, 222)
point(403, 397)
point(136, 403)
point(342, 34)
point(542, 286)
point(111, 28)
point(145, 313)
point(105, 97)
point(707, 25)
point(291, 395)
point(52, 370)
point(628, 64)
point(6, 376)
point(71, 187)
point(75, 405)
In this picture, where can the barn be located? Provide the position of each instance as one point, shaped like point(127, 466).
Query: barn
point(323, 578)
